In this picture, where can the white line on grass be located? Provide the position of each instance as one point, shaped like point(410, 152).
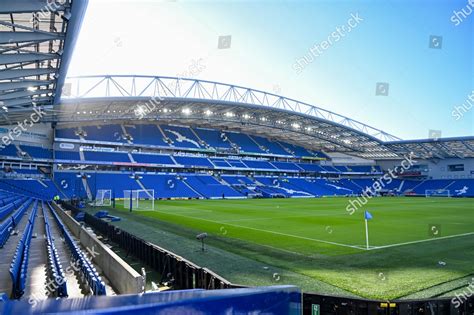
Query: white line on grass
point(285, 217)
point(421, 241)
point(266, 231)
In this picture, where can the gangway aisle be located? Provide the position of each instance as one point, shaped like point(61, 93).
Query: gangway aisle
point(72, 281)
point(76, 286)
point(35, 287)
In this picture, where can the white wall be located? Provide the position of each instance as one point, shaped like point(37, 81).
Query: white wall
point(36, 134)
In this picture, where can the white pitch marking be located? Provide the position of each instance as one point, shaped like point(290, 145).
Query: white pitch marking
point(422, 241)
point(285, 217)
point(266, 231)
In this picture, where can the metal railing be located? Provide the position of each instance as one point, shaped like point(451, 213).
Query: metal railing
point(163, 87)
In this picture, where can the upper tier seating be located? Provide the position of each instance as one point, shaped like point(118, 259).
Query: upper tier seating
point(106, 156)
point(37, 152)
point(146, 134)
point(9, 150)
point(235, 163)
point(244, 142)
point(259, 164)
point(270, 146)
point(213, 138)
point(181, 137)
point(311, 167)
point(66, 133)
point(67, 155)
point(108, 133)
point(220, 162)
point(300, 151)
point(286, 166)
point(152, 158)
point(189, 161)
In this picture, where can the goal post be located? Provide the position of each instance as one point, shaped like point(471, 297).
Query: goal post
point(103, 198)
point(437, 193)
point(140, 199)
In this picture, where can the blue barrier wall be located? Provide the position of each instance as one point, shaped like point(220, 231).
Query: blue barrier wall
point(264, 300)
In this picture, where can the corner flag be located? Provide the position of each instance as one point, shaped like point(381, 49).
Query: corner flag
point(367, 216)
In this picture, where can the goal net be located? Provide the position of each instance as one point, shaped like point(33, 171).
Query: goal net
point(140, 199)
point(103, 197)
point(437, 193)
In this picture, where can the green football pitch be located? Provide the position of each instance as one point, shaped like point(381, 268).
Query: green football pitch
point(415, 244)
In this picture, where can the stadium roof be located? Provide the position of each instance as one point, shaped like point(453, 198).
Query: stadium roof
point(36, 42)
point(37, 38)
point(442, 148)
point(230, 107)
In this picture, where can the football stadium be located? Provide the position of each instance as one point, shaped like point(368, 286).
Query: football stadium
point(157, 158)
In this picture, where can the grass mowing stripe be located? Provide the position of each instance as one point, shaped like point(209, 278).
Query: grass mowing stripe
point(286, 233)
point(422, 241)
point(267, 231)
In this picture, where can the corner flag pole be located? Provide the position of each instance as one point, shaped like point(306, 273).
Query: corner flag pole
point(367, 233)
point(367, 217)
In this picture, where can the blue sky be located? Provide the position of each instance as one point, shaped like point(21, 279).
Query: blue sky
point(389, 44)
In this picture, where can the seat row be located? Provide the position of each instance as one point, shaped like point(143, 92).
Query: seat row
point(81, 262)
point(11, 222)
point(55, 270)
point(12, 204)
point(19, 265)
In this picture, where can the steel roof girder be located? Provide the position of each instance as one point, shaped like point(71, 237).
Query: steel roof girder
point(26, 57)
point(21, 37)
point(29, 6)
point(23, 73)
